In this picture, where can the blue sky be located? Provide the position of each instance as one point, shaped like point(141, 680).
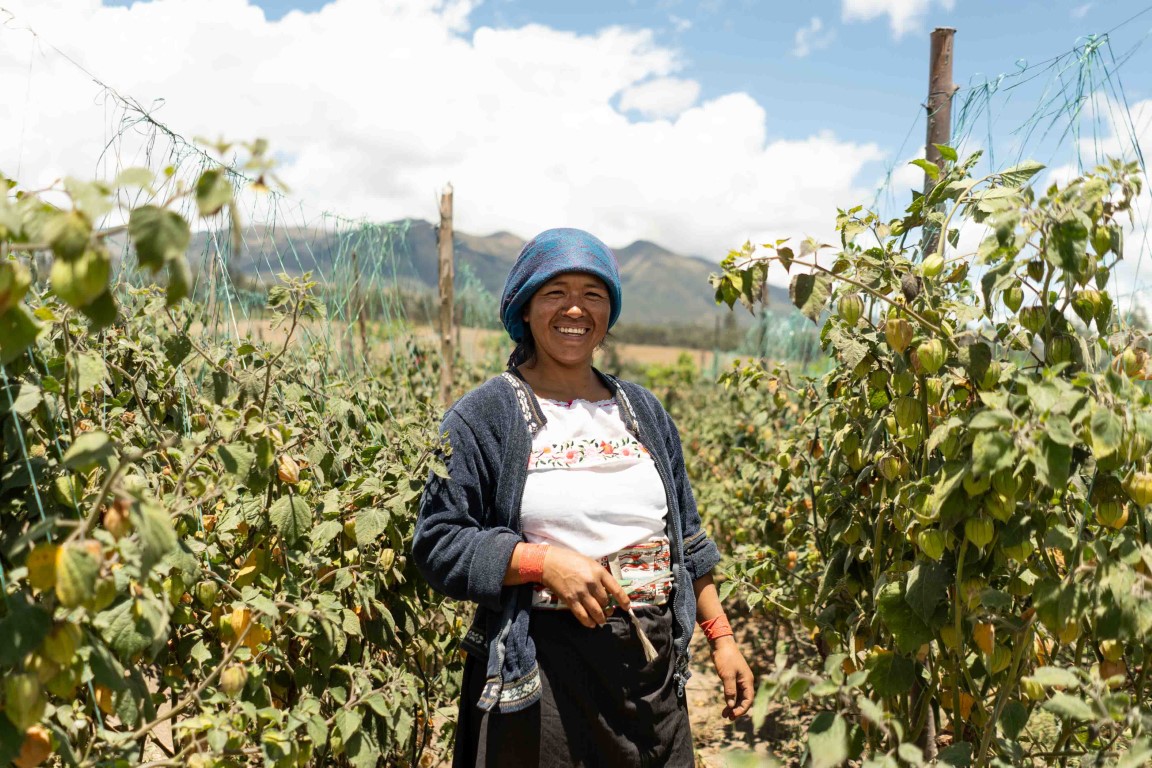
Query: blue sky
point(694, 123)
point(861, 79)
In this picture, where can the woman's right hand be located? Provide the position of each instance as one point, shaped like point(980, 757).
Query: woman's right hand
point(583, 584)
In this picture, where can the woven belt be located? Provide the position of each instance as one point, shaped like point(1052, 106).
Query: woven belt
point(644, 570)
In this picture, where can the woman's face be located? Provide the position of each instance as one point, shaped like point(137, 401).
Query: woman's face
point(568, 318)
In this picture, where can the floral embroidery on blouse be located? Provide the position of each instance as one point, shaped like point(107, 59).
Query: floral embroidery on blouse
point(585, 451)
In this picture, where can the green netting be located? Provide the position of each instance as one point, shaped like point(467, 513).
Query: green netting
point(1070, 112)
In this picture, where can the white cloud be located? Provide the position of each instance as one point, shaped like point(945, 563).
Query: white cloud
point(661, 98)
point(374, 106)
point(812, 37)
point(904, 16)
point(1081, 11)
point(680, 24)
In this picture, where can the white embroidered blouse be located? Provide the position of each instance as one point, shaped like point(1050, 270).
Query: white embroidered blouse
point(591, 487)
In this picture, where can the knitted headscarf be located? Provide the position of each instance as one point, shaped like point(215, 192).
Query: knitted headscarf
point(547, 255)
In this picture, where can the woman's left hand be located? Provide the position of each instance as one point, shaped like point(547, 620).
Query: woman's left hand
point(735, 676)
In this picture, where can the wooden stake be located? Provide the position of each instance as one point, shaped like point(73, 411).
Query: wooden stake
point(940, 90)
point(939, 106)
point(447, 280)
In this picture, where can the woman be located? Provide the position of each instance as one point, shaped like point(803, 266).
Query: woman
point(566, 515)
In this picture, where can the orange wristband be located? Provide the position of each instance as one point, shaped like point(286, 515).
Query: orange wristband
point(531, 562)
point(716, 628)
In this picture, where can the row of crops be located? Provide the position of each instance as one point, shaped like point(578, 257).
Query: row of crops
point(939, 547)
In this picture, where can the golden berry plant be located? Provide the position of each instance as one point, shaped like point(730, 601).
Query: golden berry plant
point(201, 533)
point(979, 510)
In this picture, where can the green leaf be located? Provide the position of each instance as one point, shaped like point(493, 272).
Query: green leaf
point(23, 630)
point(90, 449)
point(134, 177)
point(79, 281)
point(317, 731)
point(959, 755)
point(828, 740)
point(347, 723)
point(11, 740)
point(927, 590)
point(370, 523)
point(362, 750)
point(213, 192)
point(1060, 430)
point(90, 197)
point(1055, 466)
point(1067, 242)
point(1018, 175)
point(1013, 719)
point(786, 257)
point(179, 282)
point(1069, 707)
point(87, 371)
point(910, 753)
point(237, 459)
point(1107, 432)
point(25, 401)
point(324, 533)
point(131, 627)
point(68, 232)
point(18, 331)
point(76, 572)
point(928, 167)
point(992, 451)
point(1055, 677)
point(177, 348)
point(947, 152)
point(292, 517)
point(157, 534)
point(891, 674)
point(101, 312)
point(159, 235)
point(810, 293)
point(976, 358)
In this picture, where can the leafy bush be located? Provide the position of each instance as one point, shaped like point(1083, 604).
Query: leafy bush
point(200, 533)
point(968, 486)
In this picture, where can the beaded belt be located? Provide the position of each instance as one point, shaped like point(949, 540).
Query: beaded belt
point(644, 570)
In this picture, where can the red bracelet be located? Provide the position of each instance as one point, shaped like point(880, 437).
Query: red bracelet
point(716, 628)
point(531, 564)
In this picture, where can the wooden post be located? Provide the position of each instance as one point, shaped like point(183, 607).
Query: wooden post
point(940, 90)
point(939, 106)
point(447, 279)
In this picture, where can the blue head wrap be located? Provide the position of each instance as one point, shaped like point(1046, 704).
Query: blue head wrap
point(547, 255)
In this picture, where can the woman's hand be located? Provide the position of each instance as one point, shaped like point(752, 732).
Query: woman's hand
point(583, 584)
point(735, 676)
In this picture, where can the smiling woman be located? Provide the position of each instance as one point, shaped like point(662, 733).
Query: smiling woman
point(567, 320)
point(566, 516)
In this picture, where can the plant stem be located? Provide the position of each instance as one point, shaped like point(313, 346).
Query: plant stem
point(875, 294)
point(957, 623)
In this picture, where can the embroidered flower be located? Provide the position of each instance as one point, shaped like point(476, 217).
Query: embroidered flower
point(586, 451)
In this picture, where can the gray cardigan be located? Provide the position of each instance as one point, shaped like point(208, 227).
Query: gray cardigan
point(469, 524)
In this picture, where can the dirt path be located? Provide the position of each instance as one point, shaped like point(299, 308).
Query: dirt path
point(723, 744)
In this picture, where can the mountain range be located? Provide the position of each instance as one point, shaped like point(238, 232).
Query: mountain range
point(660, 287)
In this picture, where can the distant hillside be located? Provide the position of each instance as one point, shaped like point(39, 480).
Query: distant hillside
point(660, 287)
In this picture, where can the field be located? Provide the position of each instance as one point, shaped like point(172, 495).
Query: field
point(938, 549)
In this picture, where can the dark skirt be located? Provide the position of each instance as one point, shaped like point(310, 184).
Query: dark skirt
point(602, 704)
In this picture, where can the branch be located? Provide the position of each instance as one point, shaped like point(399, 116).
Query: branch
point(195, 692)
